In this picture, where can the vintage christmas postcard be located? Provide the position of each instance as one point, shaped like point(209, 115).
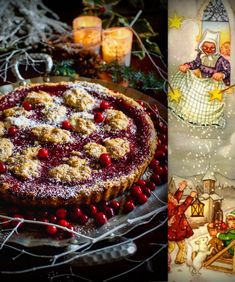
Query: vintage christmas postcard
point(201, 101)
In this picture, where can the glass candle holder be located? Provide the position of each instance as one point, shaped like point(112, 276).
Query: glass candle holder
point(87, 32)
point(116, 45)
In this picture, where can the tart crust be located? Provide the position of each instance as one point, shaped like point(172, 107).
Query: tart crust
point(100, 190)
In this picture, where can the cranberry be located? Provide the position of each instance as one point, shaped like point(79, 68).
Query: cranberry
point(164, 148)
point(135, 190)
point(104, 105)
point(156, 179)
point(51, 229)
point(102, 205)
point(12, 131)
point(159, 170)
point(16, 222)
point(115, 205)
point(102, 10)
point(66, 124)
point(43, 213)
point(154, 164)
point(163, 138)
point(160, 155)
point(109, 212)
point(159, 142)
point(105, 159)
point(98, 117)
point(52, 218)
point(142, 198)
point(92, 210)
point(129, 206)
point(27, 106)
point(63, 222)
point(141, 182)
point(76, 213)
point(100, 218)
point(83, 219)
point(146, 190)
point(44, 219)
point(69, 234)
point(3, 167)
point(43, 153)
point(61, 213)
point(152, 186)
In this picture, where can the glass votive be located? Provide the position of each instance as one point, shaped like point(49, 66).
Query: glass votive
point(116, 45)
point(87, 32)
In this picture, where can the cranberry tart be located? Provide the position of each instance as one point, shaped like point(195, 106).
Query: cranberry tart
point(71, 143)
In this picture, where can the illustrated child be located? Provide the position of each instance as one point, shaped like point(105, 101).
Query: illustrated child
point(209, 61)
point(225, 50)
point(178, 226)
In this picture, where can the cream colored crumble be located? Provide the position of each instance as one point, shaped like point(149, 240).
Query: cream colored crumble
point(94, 149)
point(52, 134)
point(76, 169)
point(116, 120)
point(39, 97)
point(25, 164)
point(83, 126)
point(117, 147)
point(55, 113)
point(2, 128)
point(6, 149)
point(15, 112)
point(79, 98)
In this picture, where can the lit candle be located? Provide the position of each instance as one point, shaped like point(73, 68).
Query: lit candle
point(87, 32)
point(116, 45)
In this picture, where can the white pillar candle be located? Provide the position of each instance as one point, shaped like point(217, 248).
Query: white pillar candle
point(116, 45)
point(87, 32)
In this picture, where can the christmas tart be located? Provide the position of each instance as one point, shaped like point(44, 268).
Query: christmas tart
point(71, 143)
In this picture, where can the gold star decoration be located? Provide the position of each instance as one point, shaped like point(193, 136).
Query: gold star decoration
point(175, 21)
point(216, 94)
point(175, 95)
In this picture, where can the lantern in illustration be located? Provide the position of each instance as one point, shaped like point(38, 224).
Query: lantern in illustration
point(197, 208)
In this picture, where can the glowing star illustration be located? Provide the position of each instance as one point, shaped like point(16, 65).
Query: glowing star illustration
point(175, 95)
point(175, 21)
point(216, 94)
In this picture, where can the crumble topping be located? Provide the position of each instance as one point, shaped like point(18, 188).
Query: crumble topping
point(117, 147)
point(40, 97)
point(79, 98)
point(55, 113)
point(6, 149)
point(76, 169)
point(2, 128)
point(116, 120)
point(15, 112)
point(25, 164)
point(81, 125)
point(94, 149)
point(51, 134)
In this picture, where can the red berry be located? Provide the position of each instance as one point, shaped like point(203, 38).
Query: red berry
point(105, 159)
point(16, 222)
point(102, 10)
point(76, 214)
point(154, 164)
point(159, 170)
point(104, 105)
point(141, 182)
point(100, 218)
point(43, 213)
point(43, 220)
point(102, 205)
point(136, 190)
point(142, 198)
point(160, 155)
point(109, 212)
point(70, 234)
point(115, 205)
point(61, 213)
point(3, 167)
point(52, 219)
point(156, 179)
point(164, 148)
point(92, 210)
point(12, 131)
point(63, 222)
point(98, 117)
point(43, 153)
point(27, 106)
point(129, 206)
point(83, 219)
point(146, 190)
point(152, 186)
point(66, 124)
point(51, 229)
point(159, 142)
